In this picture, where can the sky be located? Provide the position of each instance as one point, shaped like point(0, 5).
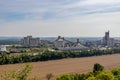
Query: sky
point(68, 18)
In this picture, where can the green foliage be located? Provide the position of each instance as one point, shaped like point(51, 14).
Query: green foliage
point(91, 78)
point(50, 55)
point(34, 78)
point(89, 74)
point(99, 75)
point(79, 77)
point(105, 75)
point(97, 67)
point(18, 75)
point(116, 73)
point(22, 74)
point(65, 77)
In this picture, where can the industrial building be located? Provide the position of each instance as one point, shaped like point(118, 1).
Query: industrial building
point(30, 41)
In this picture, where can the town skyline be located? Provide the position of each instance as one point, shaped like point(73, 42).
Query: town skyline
point(69, 18)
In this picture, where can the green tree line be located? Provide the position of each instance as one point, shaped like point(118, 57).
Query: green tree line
point(49, 55)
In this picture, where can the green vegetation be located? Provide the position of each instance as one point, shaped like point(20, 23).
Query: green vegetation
point(44, 55)
point(103, 75)
point(97, 75)
point(18, 75)
point(97, 67)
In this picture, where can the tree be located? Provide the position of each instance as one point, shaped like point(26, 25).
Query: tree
point(97, 67)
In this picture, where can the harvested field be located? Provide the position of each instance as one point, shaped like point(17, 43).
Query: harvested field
point(71, 65)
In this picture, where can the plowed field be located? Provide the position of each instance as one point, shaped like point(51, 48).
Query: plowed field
point(63, 66)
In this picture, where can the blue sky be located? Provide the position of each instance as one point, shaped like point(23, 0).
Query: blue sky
point(74, 18)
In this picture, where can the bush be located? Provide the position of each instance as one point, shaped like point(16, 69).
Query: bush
point(105, 75)
point(97, 67)
point(65, 77)
point(116, 71)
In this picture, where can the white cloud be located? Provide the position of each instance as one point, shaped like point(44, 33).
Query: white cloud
point(96, 2)
point(64, 17)
point(90, 25)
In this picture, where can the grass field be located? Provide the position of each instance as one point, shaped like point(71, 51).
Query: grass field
point(63, 66)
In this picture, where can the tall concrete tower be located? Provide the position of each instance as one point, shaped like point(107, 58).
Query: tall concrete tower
point(106, 39)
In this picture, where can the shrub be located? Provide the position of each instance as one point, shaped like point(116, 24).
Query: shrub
point(97, 67)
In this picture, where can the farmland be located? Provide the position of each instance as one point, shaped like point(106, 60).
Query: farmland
point(69, 65)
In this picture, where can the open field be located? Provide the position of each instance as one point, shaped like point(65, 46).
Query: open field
point(72, 65)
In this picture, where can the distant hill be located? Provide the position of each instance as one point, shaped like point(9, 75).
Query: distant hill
point(73, 39)
point(10, 38)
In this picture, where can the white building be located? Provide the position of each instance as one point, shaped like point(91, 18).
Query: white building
point(3, 48)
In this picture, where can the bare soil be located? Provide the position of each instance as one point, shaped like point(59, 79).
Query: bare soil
point(63, 66)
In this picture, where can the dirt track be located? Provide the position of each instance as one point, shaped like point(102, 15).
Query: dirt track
point(72, 65)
